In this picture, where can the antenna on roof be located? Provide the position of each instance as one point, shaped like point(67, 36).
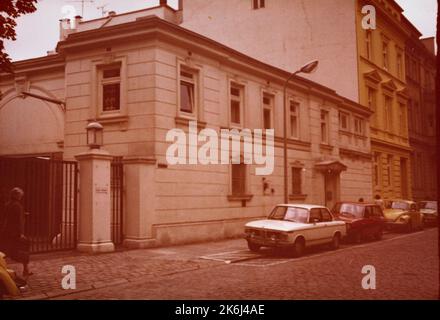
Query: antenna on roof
point(82, 4)
point(102, 8)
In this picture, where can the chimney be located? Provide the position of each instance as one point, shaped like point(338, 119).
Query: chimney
point(163, 3)
point(64, 28)
point(78, 20)
point(112, 13)
point(179, 12)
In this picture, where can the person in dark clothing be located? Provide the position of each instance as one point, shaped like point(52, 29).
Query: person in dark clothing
point(13, 241)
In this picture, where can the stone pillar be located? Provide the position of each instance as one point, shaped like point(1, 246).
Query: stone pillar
point(139, 177)
point(94, 208)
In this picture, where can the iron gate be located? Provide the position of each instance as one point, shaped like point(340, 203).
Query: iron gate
point(117, 203)
point(50, 199)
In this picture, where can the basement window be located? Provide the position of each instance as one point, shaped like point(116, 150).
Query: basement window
point(258, 4)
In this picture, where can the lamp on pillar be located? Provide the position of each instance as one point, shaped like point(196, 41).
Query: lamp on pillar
point(95, 137)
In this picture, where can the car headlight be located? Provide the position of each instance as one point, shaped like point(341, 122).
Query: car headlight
point(403, 218)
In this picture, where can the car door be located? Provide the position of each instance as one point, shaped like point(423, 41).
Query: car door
point(317, 231)
point(329, 226)
point(369, 222)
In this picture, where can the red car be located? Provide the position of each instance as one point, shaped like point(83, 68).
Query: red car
point(363, 220)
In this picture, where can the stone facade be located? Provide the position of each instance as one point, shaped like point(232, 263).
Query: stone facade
point(288, 33)
point(169, 204)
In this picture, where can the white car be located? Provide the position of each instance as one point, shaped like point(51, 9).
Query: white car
point(295, 226)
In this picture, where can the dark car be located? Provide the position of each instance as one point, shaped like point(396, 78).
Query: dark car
point(363, 220)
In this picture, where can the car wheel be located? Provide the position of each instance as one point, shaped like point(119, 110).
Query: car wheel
point(379, 234)
point(299, 247)
point(254, 247)
point(336, 241)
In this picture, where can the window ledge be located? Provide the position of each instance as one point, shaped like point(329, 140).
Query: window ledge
point(185, 122)
point(360, 136)
point(106, 119)
point(297, 197)
point(326, 146)
point(346, 132)
point(243, 197)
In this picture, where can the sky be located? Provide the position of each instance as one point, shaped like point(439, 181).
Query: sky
point(38, 32)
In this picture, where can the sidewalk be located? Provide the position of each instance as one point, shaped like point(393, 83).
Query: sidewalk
point(110, 269)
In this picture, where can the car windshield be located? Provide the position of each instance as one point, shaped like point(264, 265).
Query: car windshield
point(293, 214)
point(428, 205)
point(400, 205)
point(351, 210)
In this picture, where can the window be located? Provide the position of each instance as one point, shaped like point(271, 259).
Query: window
point(315, 214)
point(267, 111)
point(294, 119)
point(385, 55)
point(376, 168)
point(344, 121)
point(188, 80)
point(258, 4)
point(236, 104)
point(358, 126)
point(402, 120)
point(296, 181)
point(416, 117)
point(324, 127)
point(368, 44)
point(326, 216)
point(372, 103)
point(388, 114)
point(399, 65)
point(111, 88)
point(389, 170)
point(238, 179)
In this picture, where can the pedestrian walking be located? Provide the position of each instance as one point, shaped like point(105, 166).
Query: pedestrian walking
point(13, 241)
point(378, 200)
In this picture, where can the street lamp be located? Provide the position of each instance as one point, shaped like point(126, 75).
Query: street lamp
point(307, 68)
point(94, 135)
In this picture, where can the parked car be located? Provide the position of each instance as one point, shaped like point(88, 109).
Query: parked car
point(295, 227)
point(364, 220)
point(429, 211)
point(403, 215)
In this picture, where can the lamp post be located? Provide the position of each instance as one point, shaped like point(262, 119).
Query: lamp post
point(94, 135)
point(307, 68)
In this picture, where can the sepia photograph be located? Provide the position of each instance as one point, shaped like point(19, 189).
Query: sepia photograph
point(220, 154)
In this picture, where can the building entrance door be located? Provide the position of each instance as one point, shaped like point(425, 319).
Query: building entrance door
point(331, 170)
point(331, 189)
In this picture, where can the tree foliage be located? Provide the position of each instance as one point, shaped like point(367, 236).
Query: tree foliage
point(10, 10)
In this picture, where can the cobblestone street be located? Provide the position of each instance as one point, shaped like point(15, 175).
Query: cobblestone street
point(406, 268)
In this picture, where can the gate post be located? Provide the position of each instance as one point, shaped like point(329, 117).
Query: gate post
point(94, 208)
point(139, 177)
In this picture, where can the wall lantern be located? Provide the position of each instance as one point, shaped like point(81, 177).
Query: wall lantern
point(95, 135)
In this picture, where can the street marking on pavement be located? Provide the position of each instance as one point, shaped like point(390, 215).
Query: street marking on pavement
point(232, 256)
point(267, 261)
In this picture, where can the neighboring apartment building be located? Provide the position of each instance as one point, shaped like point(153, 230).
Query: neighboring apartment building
point(140, 74)
point(420, 78)
point(383, 89)
point(367, 66)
